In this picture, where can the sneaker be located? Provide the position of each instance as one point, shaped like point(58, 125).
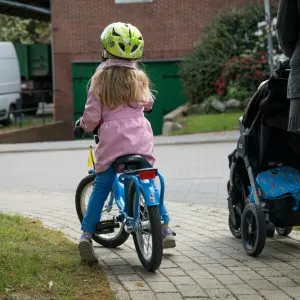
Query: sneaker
point(86, 250)
point(168, 238)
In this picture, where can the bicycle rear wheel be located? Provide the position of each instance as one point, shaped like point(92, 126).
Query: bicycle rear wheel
point(148, 242)
point(112, 240)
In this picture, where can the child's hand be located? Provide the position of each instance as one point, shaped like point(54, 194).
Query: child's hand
point(78, 131)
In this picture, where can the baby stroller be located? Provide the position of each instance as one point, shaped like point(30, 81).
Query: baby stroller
point(264, 185)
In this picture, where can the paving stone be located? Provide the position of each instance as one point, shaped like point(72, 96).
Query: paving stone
point(136, 285)
point(189, 266)
point(268, 272)
point(229, 262)
point(217, 294)
point(191, 291)
point(282, 281)
point(293, 274)
point(281, 265)
point(259, 285)
point(197, 298)
point(166, 264)
point(122, 294)
point(115, 262)
point(181, 280)
point(275, 294)
point(130, 277)
point(162, 287)
point(217, 269)
point(172, 272)
point(167, 296)
point(192, 253)
point(229, 279)
point(292, 291)
point(197, 274)
point(179, 258)
point(207, 283)
point(127, 254)
point(247, 274)
point(255, 264)
point(150, 276)
point(120, 270)
point(204, 260)
point(138, 295)
point(133, 262)
point(251, 297)
point(241, 289)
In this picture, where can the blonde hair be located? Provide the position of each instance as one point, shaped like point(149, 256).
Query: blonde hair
point(118, 85)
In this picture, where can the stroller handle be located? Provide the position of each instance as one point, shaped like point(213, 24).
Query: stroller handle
point(282, 68)
point(282, 65)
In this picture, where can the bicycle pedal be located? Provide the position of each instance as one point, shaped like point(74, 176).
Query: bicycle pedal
point(107, 226)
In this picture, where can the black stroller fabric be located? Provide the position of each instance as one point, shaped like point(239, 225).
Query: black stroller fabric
point(268, 114)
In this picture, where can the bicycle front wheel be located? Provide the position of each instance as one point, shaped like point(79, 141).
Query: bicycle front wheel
point(148, 241)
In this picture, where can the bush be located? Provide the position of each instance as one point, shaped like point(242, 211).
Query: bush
point(240, 76)
point(231, 34)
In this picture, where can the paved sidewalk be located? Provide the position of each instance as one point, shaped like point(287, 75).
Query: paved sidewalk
point(208, 262)
point(201, 138)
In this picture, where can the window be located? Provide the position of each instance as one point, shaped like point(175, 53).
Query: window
point(132, 1)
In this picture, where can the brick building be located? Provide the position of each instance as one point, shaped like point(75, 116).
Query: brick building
point(170, 28)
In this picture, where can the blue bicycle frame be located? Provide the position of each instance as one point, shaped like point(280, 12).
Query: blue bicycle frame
point(120, 190)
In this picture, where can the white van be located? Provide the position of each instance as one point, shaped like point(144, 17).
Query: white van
point(10, 82)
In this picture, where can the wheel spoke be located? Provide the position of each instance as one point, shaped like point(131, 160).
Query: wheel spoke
point(248, 221)
point(252, 217)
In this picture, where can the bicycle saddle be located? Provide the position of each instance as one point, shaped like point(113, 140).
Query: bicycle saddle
point(130, 162)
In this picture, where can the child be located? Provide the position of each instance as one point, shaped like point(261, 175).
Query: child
point(117, 99)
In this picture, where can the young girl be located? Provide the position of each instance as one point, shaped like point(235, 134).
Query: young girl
point(117, 99)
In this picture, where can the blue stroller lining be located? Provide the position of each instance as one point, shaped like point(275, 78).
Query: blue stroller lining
point(279, 183)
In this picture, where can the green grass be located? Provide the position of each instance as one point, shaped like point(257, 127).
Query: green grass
point(209, 123)
point(32, 256)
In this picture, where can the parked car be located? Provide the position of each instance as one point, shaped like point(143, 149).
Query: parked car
point(10, 83)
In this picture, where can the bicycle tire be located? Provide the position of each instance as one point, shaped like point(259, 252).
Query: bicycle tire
point(115, 242)
point(154, 262)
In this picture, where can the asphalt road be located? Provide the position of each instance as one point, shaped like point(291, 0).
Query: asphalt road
point(193, 173)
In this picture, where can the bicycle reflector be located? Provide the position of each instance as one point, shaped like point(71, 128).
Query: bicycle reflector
point(147, 174)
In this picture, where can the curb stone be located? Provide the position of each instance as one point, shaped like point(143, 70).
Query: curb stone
point(192, 139)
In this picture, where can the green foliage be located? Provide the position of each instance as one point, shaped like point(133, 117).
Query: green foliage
point(24, 31)
point(236, 91)
point(230, 34)
point(240, 76)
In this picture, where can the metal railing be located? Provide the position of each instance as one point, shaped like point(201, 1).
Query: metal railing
point(25, 117)
point(40, 111)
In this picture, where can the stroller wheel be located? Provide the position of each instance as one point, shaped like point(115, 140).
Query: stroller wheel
point(253, 229)
point(284, 231)
point(235, 230)
point(270, 230)
point(228, 186)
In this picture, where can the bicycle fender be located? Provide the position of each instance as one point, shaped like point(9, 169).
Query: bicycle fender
point(149, 194)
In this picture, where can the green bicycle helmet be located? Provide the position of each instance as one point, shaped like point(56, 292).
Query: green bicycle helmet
point(123, 41)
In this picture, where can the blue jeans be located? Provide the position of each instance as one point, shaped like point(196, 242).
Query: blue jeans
point(102, 187)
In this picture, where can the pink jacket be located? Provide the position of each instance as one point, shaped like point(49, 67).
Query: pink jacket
point(124, 130)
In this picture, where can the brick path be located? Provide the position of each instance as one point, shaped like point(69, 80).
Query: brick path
point(208, 262)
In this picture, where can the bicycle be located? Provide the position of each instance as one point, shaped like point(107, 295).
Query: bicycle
point(132, 208)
